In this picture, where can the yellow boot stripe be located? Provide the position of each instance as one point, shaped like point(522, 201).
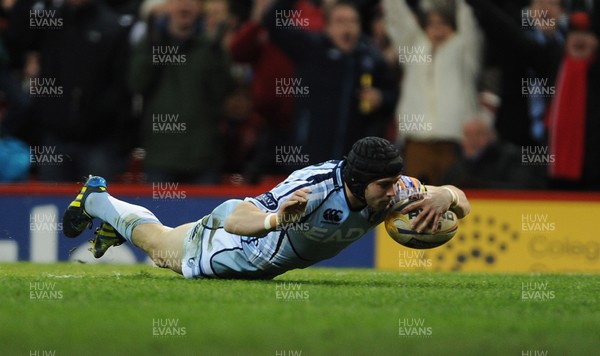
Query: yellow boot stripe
point(76, 204)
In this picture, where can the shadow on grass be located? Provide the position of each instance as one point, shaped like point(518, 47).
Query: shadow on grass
point(338, 283)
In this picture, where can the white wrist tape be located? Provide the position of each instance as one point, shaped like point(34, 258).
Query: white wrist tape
point(455, 198)
point(267, 223)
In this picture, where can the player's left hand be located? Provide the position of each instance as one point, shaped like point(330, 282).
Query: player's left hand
point(434, 203)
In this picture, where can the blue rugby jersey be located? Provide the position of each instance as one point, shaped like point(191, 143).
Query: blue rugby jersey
point(327, 226)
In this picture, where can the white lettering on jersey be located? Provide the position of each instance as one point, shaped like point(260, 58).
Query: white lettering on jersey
point(337, 235)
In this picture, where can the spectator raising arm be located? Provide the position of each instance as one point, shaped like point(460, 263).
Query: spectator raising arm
point(502, 30)
point(469, 32)
point(293, 40)
point(245, 46)
point(247, 43)
point(401, 24)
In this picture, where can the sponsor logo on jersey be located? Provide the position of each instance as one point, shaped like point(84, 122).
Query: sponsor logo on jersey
point(333, 216)
point(267, 200)
point(320, 234)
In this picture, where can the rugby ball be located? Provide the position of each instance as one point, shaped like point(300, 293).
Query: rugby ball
point(399, 228)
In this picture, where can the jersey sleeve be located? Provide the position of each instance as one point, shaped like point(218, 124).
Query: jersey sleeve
point(318, 180)
point(272, 200)
point(407, 187)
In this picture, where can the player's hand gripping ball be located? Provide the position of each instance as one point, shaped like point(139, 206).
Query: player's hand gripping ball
point(399, 227)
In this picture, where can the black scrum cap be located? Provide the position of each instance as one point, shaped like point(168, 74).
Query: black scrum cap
point(370, 159)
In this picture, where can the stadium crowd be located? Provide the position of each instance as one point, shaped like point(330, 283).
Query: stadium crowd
point(477, 93)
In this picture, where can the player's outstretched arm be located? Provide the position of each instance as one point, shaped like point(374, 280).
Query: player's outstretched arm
point(438, 201)
point(461, 206)
point(248, 220)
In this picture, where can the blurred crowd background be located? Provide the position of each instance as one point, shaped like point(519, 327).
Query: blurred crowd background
point(477, 93)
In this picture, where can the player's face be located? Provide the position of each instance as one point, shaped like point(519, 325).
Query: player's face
point(379, 193)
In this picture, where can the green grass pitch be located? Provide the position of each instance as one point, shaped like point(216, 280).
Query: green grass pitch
point(76, 309)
